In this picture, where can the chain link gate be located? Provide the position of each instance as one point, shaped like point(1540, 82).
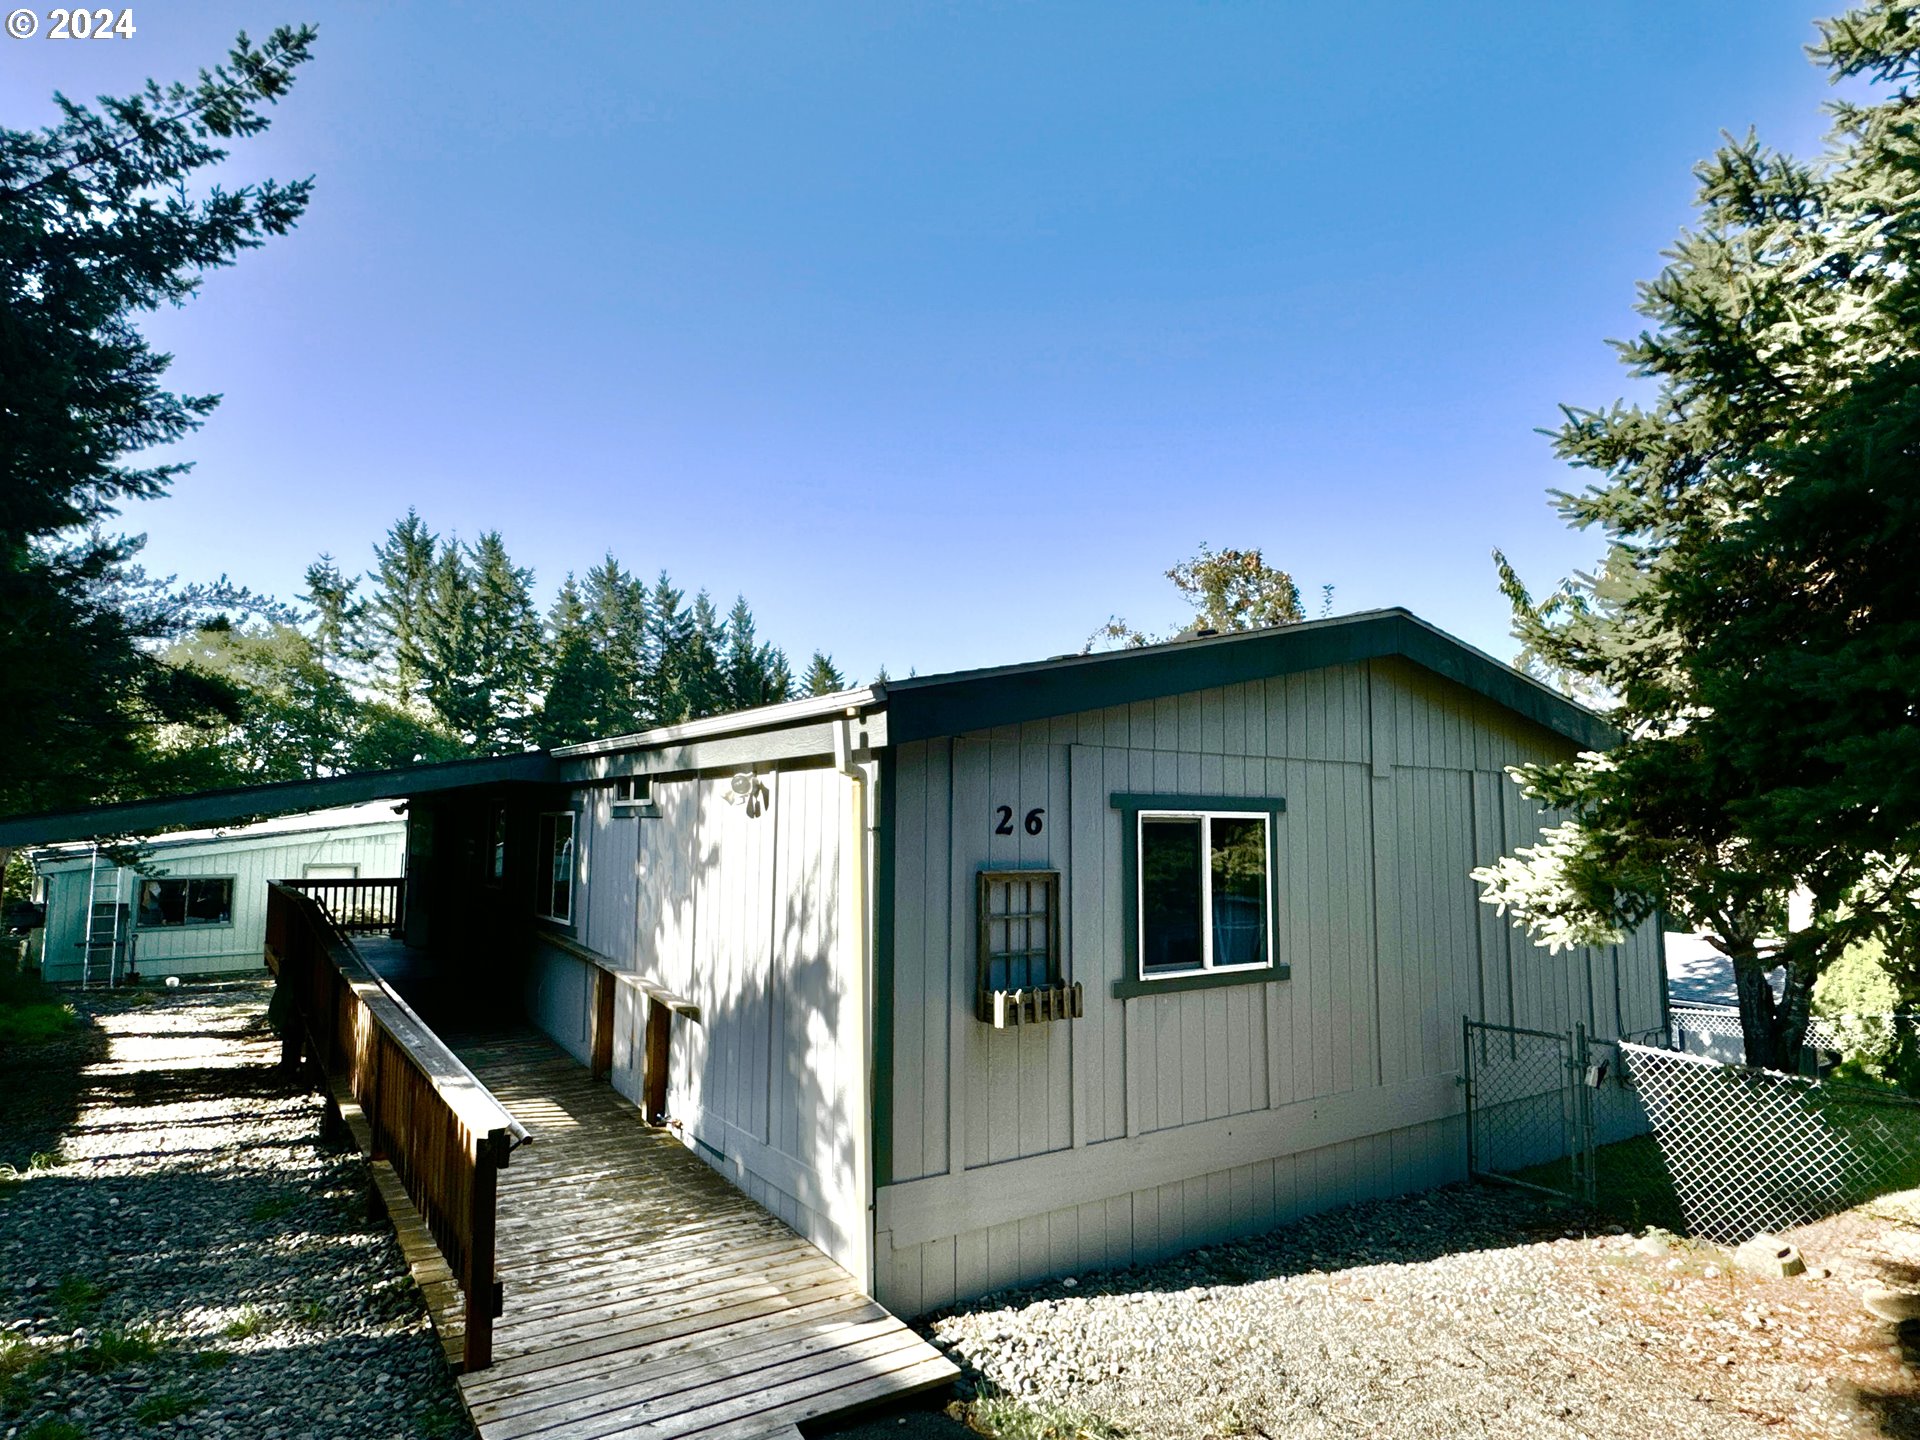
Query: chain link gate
point(1530, 1112)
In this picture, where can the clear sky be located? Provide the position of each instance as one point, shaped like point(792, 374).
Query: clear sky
point(940, 330)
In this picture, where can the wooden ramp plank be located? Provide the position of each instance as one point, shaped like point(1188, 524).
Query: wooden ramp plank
point(645, 1295)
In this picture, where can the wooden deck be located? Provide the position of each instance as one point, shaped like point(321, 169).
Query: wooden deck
point(645, 1296)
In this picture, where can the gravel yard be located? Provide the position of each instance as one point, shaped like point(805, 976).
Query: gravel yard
point(1466, 1312)
point(190, 1261)
point(179, 1255)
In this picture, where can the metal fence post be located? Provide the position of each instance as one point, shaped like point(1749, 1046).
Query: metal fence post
point(1466, 1081)
point(1583, 1156)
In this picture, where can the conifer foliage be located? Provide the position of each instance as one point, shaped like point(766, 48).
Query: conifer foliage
point(105, 215)
point(1754, 626)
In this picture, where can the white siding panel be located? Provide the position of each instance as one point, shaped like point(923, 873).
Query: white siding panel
point(739, 907)
point(252, 861)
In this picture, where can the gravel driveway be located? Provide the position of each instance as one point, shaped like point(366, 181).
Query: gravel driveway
point(1466, 1312)
point(192, 1262)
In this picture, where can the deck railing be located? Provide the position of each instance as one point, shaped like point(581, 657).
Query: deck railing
point(413, 1103)
point(373, 906)
point(657, 1007)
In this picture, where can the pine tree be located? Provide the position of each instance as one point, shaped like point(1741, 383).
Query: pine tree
point(509, 645)
point(616, 606)
point(582, 687)
point(444, 637)
point(340, 617)
point(699, 670)
point(402, 580)
point(106, 214)
point(669, 637)
point(1754, 621)
point(822, 678)
point(753, 673)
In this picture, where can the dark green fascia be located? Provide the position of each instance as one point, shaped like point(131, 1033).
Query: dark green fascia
point(1130, 804)
point(1212, 980)
point(1132, 801)
point(882, 1086)
point(921, 708)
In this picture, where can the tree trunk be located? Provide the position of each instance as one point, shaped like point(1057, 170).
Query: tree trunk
point(1774, 1031)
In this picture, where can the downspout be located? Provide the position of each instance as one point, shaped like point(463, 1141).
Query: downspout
point(855, 926)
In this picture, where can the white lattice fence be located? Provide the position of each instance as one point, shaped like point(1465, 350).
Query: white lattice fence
point(1749, 1150)
point(1824, 1032)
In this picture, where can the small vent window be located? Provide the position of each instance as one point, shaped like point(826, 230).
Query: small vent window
point(632, 794)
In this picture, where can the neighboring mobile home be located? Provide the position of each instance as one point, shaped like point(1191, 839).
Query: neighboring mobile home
point(1026, 971)
point(194, 903)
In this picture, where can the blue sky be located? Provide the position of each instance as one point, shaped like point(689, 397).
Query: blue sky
point(941, 330)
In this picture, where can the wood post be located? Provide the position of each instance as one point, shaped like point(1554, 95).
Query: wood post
point(659, 1033)
point(478, 1285)
point(601, 1065)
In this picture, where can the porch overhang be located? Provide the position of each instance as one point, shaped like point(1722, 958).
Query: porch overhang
point(288, 797)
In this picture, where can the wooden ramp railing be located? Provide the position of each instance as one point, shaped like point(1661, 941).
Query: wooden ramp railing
point(657, 1006)
point(372, 906)
point(409, 1100)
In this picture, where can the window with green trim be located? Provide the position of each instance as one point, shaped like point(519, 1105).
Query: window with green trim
point(1200, 874)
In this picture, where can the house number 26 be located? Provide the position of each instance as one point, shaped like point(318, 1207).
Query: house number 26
point(1034, 823)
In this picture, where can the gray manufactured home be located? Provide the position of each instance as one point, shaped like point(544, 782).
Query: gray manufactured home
point(1022, 972)
point(978, 978)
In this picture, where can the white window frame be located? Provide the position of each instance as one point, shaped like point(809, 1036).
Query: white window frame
point(545, 900)
point(632, 795)
point(1206, 819)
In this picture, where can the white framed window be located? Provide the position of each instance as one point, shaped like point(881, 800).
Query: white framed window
point(187, 903)
point(1201, 871)
point(632, 795)
point(330, 872)
point(554, 899)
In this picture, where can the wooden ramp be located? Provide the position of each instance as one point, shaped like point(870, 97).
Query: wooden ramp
point(645, 1296)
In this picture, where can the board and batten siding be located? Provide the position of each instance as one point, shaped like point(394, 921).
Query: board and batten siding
point(739, 907)
point(240, 947)
point(1155, 1124)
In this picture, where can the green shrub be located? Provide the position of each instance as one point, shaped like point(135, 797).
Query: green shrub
point(1853, 995)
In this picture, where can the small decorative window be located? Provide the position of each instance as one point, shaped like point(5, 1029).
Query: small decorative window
point(1019, 980)
point(166, 904)
point(632, 795)
point(554, 900)
point(1201, 870)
